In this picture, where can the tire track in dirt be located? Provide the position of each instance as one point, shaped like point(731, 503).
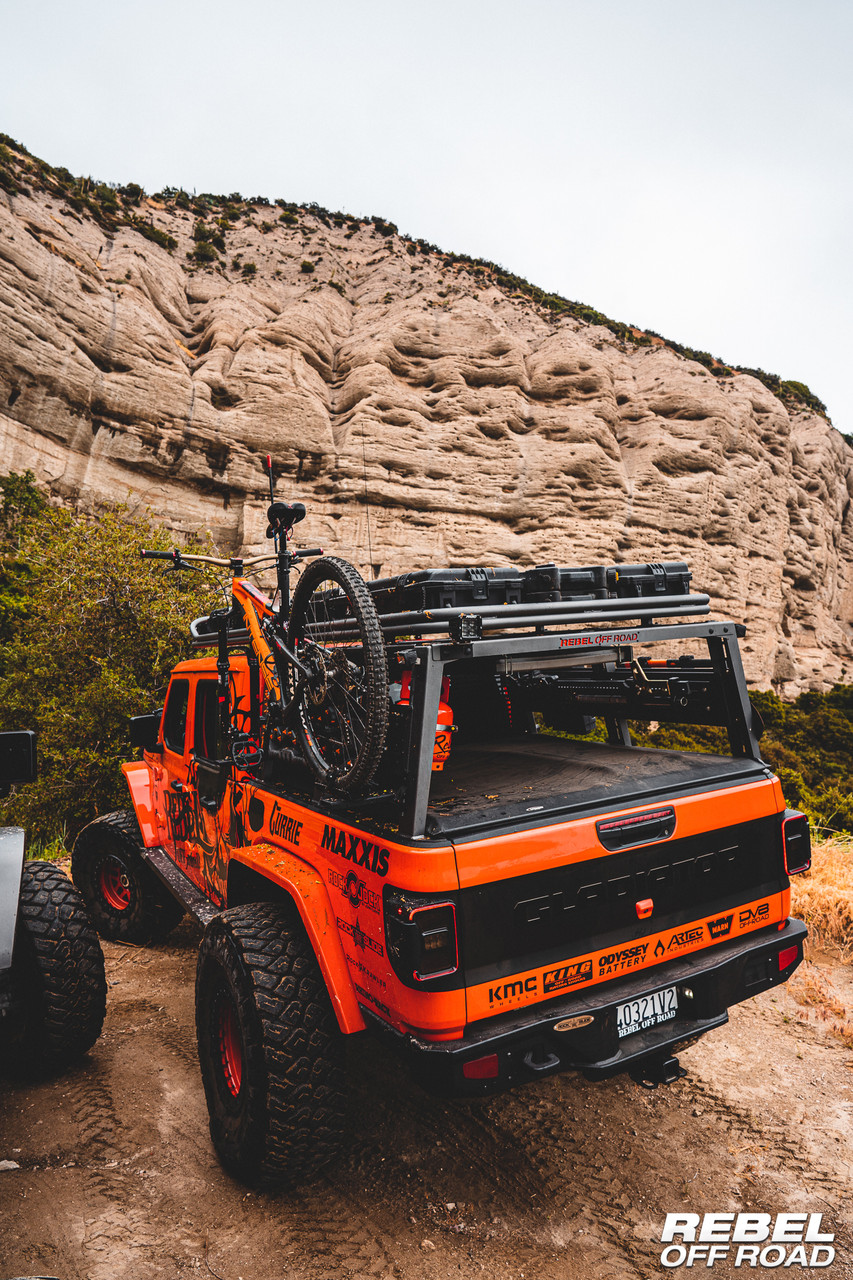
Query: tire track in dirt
point(561, 1180)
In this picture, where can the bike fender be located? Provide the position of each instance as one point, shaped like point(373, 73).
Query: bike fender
point(11, 870)
point(138, 776)
point(305, 886)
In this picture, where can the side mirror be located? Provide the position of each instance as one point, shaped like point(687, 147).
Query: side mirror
point(144, 731)
point(17, 757)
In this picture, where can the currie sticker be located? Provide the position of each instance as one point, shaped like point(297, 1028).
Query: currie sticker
point(283, 825)
point(356, 849)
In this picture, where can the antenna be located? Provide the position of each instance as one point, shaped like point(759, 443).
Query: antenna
point(272, 497)
point(366, 500)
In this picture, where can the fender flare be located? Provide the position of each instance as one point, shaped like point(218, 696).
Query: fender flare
point(304, 884)
point(12, 840)
point(138, 775)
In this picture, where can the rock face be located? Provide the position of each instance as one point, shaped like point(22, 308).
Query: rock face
point(424, 416)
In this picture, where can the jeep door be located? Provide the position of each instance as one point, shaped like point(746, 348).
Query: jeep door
point(207, 848)
point(172, 804)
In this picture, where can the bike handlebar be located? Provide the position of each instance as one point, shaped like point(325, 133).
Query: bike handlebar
point(179, 557)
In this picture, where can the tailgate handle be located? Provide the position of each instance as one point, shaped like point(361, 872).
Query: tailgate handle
point(640, 828)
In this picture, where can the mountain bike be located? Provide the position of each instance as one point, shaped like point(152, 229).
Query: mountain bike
point(318, 674)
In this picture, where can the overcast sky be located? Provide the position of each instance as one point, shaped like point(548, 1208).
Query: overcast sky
point(685, 167)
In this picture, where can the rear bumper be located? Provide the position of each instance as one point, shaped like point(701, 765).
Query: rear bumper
point(528, 1046)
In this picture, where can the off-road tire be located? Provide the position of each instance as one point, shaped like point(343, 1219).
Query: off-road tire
point(374, 703)
point(126, 901)
point(269, 1046)
point(58, 986)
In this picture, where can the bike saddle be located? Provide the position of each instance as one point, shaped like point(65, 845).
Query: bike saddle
point(283, 516)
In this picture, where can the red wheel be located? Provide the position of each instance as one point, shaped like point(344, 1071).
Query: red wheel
point(125, 900)
point(269, 1047)
point(114, 884)
point(230, 1045)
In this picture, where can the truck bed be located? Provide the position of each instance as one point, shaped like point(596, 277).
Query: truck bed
point(485, 784)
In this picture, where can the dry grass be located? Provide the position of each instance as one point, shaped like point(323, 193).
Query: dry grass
point(810, 986)
point(823, 898)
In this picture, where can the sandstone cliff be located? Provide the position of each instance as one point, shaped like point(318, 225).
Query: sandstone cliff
point(424, 414)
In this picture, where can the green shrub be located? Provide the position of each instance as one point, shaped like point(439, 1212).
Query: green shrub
point(152, 233)
point(288, 218)
point(808, 743)
point(99, 633)
point(203, 234)
point(249, 268)
point(307, 267)
point(132, 193)
point(204, 252)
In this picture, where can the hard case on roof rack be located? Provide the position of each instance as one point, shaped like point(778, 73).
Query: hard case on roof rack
point(461, 587)
point(451, 588)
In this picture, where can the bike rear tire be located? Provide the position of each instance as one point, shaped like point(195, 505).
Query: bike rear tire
point(343, 711)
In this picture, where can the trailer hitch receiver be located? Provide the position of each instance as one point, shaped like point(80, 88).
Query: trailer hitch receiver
point(654, 1071)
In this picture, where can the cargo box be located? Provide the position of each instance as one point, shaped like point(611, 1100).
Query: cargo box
point(549, 582)
point(446, 589)
point(629, 581)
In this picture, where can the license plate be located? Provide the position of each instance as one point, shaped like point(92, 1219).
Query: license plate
point(646, 1011)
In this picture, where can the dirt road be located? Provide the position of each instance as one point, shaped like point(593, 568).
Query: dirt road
point(562, 1180)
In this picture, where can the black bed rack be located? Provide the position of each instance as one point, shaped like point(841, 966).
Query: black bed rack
point(472, 621)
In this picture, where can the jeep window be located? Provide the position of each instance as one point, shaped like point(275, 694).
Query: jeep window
point(206, 735)
point(175, 716)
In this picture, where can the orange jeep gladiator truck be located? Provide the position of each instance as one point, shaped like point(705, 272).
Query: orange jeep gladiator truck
point(414, 807)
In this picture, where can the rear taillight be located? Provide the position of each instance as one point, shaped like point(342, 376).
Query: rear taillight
point(439, 953)
point(788, 957)
point(796, 842)
point(422, 938)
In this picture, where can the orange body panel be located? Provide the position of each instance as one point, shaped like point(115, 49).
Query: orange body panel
point(309, 893)
point(354, 865)
point(138, 777)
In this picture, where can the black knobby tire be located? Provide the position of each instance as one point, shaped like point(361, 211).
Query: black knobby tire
point(343, 714)
point(58, 986)
point(126, 901)
point(270, 1050)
